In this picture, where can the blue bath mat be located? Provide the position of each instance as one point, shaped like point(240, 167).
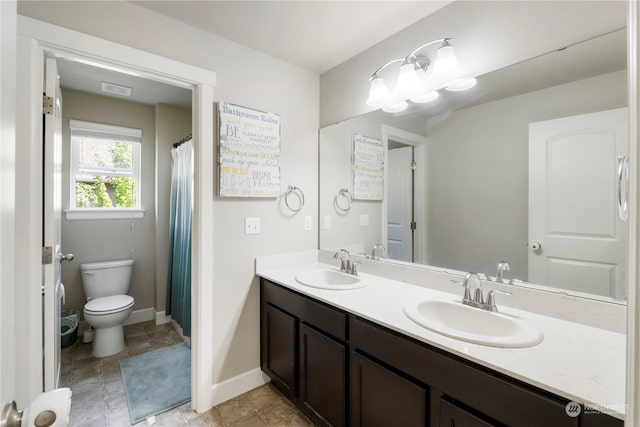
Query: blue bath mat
point(157, 381)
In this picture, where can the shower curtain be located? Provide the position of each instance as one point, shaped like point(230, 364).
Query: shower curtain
point(179, 274)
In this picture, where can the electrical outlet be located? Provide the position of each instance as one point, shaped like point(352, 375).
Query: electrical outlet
point(364, 220)
point(252, 226)
point(327, 222)
point(308, 223)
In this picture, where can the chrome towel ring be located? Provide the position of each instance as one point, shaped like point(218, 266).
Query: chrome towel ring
point(291, 190)
point(343, 200)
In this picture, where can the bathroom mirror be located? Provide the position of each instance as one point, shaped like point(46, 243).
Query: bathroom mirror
point(528, 161)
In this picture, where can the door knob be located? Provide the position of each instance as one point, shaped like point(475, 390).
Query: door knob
point(536, 246)
point(67, 257)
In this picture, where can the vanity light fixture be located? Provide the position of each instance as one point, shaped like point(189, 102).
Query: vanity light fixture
point(419, 78)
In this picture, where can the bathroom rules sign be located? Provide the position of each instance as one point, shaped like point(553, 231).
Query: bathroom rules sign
point(249, 161)
point(368, 168)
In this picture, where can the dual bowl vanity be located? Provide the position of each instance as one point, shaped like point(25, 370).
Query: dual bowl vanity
point(366, 349)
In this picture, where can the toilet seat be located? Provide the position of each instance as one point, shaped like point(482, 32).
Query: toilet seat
point(108, 305)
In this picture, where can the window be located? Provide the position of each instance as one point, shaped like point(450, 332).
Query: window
point(105, 171)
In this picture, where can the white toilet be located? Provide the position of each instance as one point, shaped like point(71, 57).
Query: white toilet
point(106, 285)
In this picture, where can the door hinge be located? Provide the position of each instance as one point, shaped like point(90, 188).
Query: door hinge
point(414, 165)
point(47, 104)
point(47, 255)
point(413, 225)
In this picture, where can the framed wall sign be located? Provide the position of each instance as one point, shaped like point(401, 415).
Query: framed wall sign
point(249, 147)
point(368, 168)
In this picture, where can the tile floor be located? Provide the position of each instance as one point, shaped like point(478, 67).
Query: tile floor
point(99, 400)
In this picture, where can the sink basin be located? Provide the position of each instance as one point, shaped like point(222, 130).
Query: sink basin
point(470, 324)
point(325, 278)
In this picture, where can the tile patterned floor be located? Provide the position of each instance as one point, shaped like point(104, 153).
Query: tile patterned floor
point(99, 400)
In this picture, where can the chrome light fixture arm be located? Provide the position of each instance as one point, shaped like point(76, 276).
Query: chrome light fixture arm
point(375, 73)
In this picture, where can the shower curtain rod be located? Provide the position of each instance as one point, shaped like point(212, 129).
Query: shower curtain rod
point(182, 141)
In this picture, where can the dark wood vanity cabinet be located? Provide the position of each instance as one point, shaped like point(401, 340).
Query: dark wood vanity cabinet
point(303, 350)
point(381, 397)
point(344, 370)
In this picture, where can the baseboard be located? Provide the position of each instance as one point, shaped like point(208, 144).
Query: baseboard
point(237, 385)
point(139, 316)
point(162, 318)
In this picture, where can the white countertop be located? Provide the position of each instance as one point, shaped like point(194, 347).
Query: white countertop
point(578, 362)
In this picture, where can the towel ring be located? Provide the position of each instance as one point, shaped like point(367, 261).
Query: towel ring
point(298, 193)
point(346, 195)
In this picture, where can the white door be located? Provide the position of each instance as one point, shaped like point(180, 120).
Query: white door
point(52, 201)
point(576, 239)
point(400, 204)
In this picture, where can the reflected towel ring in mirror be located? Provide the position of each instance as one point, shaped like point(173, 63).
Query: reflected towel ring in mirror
point(298, 193)
point(343, 200)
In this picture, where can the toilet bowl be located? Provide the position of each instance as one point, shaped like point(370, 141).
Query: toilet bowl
point(107, 316)
point(108, 306)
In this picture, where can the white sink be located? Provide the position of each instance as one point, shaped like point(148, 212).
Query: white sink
point(325, 278)
point(470, 324)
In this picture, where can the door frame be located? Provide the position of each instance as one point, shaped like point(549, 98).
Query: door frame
point(633, 295)
point(8, 283)
point(37, 40)
point(420, 198)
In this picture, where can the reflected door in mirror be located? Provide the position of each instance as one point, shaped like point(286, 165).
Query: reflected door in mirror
point(576, 239)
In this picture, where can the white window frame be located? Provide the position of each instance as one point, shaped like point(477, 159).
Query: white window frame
point(81, 128)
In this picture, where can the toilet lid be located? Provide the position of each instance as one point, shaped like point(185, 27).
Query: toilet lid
point(112, 303)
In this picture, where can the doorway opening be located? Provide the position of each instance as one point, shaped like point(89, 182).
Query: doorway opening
point(38, 41)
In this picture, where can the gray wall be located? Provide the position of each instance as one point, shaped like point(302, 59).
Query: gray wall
point(105, 240)
point(336, 145)
point(244, 77)
point(478, 172)
point(487, 36)
point(172, 124)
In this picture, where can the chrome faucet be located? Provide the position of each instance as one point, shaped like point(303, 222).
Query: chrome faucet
point(476, 290)
point(377, 246)
point(345, 261)
point(478, 297)
point(502, 267)
point(346, 265)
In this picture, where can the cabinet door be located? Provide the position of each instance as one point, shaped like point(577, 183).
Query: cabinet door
point(380, 397)
point(279, 348)
point(452, 415)
point(322, 376)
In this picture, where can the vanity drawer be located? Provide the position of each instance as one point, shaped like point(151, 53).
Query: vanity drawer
point(314, 313)
point(501, 399)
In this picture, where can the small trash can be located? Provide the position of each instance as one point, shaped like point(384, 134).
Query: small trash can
point(69, 320)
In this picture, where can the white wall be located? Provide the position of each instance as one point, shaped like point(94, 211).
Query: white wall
point(8, 284)
point(107, 240)
point(478, 172)
point(488, 35)
point(247, 78)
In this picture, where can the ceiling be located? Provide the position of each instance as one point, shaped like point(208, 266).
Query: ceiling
point(316, 35)
point(85, 78)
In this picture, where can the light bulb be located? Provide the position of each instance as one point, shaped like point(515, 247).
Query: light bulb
point(407, 81)
point(395, 107)
point(425, 97)
point(465, 83)
point(378, 93)
point(446, 60)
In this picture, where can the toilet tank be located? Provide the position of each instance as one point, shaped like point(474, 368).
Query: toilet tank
point(103, 279)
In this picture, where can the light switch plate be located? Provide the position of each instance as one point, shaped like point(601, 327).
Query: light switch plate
point(308, 223)
point(327, 222)
point(364, 220)
point(252, 226)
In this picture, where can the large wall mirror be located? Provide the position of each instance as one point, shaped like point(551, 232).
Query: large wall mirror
point(528, 167)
